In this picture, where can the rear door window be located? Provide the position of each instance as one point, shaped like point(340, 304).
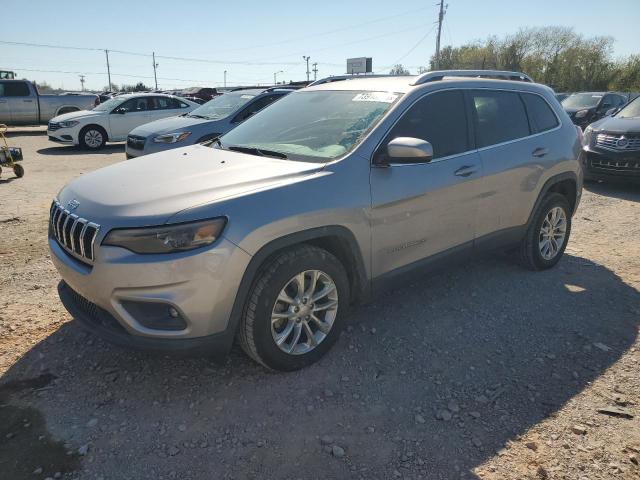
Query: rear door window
point(541, 116)
point(440, 119)
point(499, 117)
point(14, 89)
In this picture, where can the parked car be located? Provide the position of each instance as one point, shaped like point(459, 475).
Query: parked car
point(112, 120)
point(612, 145)
point(560, 96)
point(311, 205)
point(197, 100)
point(21, 104)
point(205, 123)
point(205, 93)
point(587, 107)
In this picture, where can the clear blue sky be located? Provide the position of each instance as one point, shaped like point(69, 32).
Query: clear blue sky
point(272, 36)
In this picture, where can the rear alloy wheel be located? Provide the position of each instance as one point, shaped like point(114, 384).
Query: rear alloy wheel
point(548, 233)
point(93, 138)
point(295, 309)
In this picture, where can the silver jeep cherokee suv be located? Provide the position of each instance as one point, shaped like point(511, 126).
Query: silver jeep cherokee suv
point(339, 189)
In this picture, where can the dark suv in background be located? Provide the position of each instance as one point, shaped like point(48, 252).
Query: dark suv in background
point(612, 145)
point(587, 107)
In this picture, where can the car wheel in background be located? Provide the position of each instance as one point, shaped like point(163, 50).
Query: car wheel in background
point(18, 170)
point(548, 234)
point(92, 137)
point(294, 313)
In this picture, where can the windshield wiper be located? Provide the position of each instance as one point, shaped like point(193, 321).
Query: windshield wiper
point(257, 151)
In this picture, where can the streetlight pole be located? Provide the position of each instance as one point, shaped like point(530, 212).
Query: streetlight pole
point(106, 53)
point(315, 71)
point(306, 58)
point(275, 76)
point(225, 79)
point(155, 65)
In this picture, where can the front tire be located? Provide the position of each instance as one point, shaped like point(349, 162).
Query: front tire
point(92, 137)
point(295, 309)
point(548, 234)
point(18, 170)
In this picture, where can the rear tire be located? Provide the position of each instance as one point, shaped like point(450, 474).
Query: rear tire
point(548, 234)
point(92, 137)
point(269, 325)
point(18, 170)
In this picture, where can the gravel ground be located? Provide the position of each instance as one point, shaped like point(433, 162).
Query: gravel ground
point(483, 370)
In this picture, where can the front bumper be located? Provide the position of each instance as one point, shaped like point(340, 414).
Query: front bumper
point(601, 163)
point(60, 137)
point(101, 323)
point(201, 285)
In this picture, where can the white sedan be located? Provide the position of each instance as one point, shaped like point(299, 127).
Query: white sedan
point(112, 120)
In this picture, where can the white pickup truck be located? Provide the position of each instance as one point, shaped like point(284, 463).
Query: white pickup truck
point(21, 104)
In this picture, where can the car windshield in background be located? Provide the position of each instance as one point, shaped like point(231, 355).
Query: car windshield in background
point(632, 110)
point(110, 104)
point(222, 106)
point(312, 126)
point(581, 100)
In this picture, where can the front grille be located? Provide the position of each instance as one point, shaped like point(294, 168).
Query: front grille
point(624, 142)
point(76, 235)
point(53, 126)
point(630, 166)
point(135, 142)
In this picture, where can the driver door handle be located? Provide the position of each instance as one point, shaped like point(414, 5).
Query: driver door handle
point(540, 152)
point(465, 171)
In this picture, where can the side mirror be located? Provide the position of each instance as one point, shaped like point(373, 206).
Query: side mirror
point(409, 150)
point(611, 111)
point(120, 110)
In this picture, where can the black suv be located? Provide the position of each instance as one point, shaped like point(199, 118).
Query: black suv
point(612, 145)
point(587, 107)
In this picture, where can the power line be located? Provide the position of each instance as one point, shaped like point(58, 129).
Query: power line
point(422, 39)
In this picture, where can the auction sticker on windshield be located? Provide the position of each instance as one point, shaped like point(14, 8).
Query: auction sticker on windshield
point(384, 97)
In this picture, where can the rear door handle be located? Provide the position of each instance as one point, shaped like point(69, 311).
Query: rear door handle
point(28, 101)
point(465, 171)
point(540, 152)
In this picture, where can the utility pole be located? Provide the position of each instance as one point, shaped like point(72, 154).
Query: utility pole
point(315, 72)
point(155, 65)
point(225, 79)
point(306, 58)
point(106, 53)
point(82, 82)
point(440, 19)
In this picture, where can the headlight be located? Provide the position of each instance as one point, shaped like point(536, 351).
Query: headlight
point(582, 113)
point(68, 123)
point(171, 137)
point(167, 238)
point(586, 136)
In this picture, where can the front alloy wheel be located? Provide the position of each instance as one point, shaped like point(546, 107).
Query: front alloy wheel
point(304, 312)
point(295, 308)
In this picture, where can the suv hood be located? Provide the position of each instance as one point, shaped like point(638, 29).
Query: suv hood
point(79, 115)
point(151, 189)
point(167, 125)
point(618, 125)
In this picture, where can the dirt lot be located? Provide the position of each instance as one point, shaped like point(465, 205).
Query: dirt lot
point(481, 371)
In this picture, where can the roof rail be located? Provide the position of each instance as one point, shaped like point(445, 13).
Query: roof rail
point(337, 78)
point(499, 74)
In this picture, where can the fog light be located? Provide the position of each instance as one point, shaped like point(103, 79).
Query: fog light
point(157, 316)
point(173, 312)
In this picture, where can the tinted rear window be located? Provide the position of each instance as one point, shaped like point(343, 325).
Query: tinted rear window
point(541, 116)
point(499, 117)
point(15, 89)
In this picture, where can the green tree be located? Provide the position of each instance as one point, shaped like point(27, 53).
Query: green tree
point(399, 69)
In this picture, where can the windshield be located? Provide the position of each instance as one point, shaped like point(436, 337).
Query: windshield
point(110, 104)
point(632, 110)
point(312, 126)
point(222, 106)
point(581, 100)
